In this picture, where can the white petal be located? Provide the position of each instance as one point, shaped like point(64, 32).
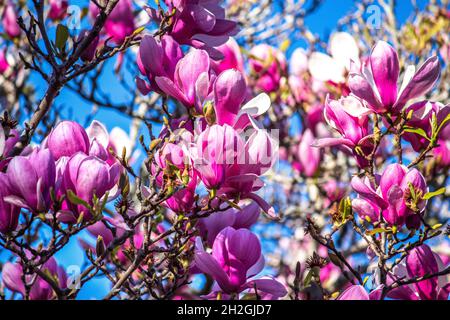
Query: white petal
point(324, 68)
point(257, 106)
point(98, 131)
point(344, 48)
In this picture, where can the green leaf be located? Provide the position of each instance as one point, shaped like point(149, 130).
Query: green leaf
point(308, 278)
point(375, 231)
point(418, 131)
point(437, 226)
point(74, 199)
point(138, 30)
point(442, 124)
point(430, 195)
point(62, 34)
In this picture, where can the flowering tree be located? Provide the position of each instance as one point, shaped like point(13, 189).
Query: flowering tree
point(244, 174)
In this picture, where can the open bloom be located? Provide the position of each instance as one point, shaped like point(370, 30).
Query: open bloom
point(9, 20)
point(232, 166)
point(199, 23)
point(120, 22)
point(376, 82)
point(31, 177)
point(9, 214)
point(192, 80)
point(398, 197)
point(349, 117)
point(420, 261)
point(169, 159)
point(157, 58)
point(269, 65)
point(12, 276)
point(236, 257)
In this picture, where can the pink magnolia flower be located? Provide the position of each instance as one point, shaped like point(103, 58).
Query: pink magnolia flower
point(120, 22)
point(421, 116)
point(31, 177)
point(157, 58)
point(87, 177)
point(66, 139)
point(349, 117)
point(376, 82)
point(192, 80)
point(308, 156)
point(420, 261)
point(9, 214)
point(236, 257)
point(269, 65)
point(238, 219)
point(393, 198)
point(9, 20)
point(174, 155)
point(199, 23)
point(232, 57)
point(12, 274)
point(228, 164)
point(58, 9)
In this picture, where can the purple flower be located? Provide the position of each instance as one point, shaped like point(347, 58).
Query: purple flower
point(192, 80)
point(157, 58)
point(66, 139)
point(398, 197)
point(88, 177)
point(31, 177)
point(9, 20)
point(199, 23)
point(170, 156)
point(420, 261)
point(9, 214)
point(236, 257)
point(12, 276)
point(349, 117)
point(376, 82)
point(269, 65)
